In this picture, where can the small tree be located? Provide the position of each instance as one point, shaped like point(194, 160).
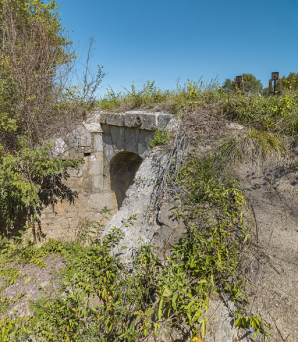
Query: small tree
point(35, 102)
point(290, 82)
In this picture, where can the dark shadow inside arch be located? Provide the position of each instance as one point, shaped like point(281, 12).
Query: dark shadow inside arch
point(123, 167)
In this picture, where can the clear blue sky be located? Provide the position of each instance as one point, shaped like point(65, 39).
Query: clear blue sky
point(162, 40)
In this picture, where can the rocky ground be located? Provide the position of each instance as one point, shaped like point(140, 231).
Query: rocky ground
point(42, 280)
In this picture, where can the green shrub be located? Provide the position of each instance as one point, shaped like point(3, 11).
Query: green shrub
point(161, 137)
point(148, 96)
point(269, 113)
point(31, 179)
point(133, 306)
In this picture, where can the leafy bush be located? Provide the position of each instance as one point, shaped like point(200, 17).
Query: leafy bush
point(133, 306)
point(269, 113)
point(31, 179)
point(34, 104)
point(161, 137)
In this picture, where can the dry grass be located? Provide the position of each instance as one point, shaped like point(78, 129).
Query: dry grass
point(252, 145)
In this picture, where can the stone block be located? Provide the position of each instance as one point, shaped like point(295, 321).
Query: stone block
point(163, 120)
point(109, 150)
point(85, 138)
point(117, 136)
point(87, 149)
point(141, 149)
point(133, 119)
point(106, 177)
point(97, 181)
point(141, 120)
point(97, 143)
point(131, 136)
point(112, 119)
point(95, 165)
point(100, 200)
point(93, 127)
point(59, 146)
point(149, 121)
point(79, 137)
point(94, 118)
point(144, 141)
point(73, 139)
point(105, 128)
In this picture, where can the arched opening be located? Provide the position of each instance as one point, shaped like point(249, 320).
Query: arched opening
point(123, 168)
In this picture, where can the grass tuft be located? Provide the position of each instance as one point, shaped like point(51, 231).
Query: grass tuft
point(252, 145)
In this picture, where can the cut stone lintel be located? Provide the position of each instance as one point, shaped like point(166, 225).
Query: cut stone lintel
point(138, 119)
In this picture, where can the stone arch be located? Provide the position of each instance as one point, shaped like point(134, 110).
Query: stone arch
point(123, 167)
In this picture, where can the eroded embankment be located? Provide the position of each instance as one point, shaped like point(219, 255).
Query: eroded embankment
point(223, 237)
point(268, 262)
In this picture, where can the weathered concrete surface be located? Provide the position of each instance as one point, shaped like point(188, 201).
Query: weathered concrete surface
point(135, 217)
point(272, 267)
point(104, 139)
point(140, 224)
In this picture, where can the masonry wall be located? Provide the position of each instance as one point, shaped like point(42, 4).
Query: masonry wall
point(98, 140)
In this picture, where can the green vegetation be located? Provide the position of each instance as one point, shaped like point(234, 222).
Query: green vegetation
point(206, 262)
point(252, 145)
point(161, 137)
point(35, 61)
point(146, 96)
point(131, 306)
point(190, 94)
point(251, 84)
point(290, 82)
point(203, 263)
point(269, 113)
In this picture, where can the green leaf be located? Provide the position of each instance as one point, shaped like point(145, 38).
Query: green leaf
point(167, 312)
point(197, 315)
point(238, 322)
point(212, 279)
point(203, 329)
point(160, 309)
point(174, 301)
point(149, 312)
point(27, 280)
point(167, 292)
